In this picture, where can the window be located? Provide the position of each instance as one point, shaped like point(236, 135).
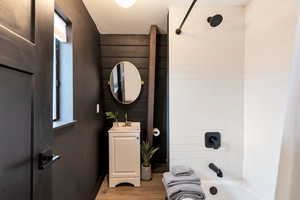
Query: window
point(62, 73)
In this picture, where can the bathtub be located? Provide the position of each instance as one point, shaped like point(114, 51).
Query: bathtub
point(228, 190)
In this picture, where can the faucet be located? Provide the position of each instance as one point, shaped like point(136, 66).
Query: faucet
point(127, 123)
point(218, 171)
point(125, 118)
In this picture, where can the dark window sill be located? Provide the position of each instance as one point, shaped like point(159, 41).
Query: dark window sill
point(63, 125)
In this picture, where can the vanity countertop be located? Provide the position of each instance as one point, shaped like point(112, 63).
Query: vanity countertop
point(120, 127)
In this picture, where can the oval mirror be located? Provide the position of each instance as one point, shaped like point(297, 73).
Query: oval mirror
point(125, 82)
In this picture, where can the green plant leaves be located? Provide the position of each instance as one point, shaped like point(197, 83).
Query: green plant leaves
point(112, 115)
point(147, 152)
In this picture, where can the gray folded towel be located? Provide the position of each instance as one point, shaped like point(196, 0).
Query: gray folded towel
point(184, 191)
point(181, 170)
point(171, 184)
point(172, 180)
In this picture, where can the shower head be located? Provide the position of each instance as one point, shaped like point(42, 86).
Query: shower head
point(215, 20)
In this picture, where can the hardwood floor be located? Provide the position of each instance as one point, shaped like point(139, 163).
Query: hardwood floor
point(152, 190)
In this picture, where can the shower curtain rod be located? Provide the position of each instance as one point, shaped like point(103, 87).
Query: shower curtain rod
point(178, 31)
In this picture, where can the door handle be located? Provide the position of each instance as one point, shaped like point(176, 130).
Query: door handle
point(47, 159)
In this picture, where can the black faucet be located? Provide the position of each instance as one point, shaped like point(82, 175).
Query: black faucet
point(218, 171)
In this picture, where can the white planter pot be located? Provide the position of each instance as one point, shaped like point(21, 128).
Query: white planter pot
point(146, 173)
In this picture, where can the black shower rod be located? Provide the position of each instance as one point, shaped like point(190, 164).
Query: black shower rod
point(178, 31)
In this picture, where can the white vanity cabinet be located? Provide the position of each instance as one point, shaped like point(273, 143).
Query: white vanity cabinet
point(124, 154)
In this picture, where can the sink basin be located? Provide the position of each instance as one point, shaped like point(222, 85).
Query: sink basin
point(121, 126)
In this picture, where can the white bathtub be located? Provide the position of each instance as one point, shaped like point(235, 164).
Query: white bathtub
point(227, 190)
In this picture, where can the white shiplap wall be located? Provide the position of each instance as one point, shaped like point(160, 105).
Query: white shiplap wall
point(206, 89)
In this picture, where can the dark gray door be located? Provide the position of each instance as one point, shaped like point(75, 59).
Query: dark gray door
point(26, 37)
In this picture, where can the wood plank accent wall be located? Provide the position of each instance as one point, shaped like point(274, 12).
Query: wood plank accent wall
point(132, 48)
point(135, 49)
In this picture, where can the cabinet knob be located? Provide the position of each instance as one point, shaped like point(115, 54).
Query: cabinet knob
point(137, 138)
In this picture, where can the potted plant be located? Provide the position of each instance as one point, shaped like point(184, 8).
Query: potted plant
point(112, 115)
point(147, 151)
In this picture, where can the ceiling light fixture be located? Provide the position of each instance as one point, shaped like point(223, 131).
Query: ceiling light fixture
point(125, 3)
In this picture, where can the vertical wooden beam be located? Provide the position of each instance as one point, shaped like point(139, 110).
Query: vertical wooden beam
point(151, 81)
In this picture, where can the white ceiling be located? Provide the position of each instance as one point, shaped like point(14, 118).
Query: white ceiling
point(112, 19)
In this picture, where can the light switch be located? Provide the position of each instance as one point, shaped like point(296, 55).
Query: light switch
point(98, 109)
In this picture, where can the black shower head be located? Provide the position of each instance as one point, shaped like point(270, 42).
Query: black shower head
point(215, 20)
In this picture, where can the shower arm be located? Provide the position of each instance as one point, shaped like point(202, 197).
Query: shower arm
point(178, 31)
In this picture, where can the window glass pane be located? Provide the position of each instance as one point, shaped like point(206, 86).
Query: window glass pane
point(54, 92)
point(60, 28)
point(62, 73)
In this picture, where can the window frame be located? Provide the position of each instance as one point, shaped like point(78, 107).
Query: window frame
point(64, 119)
point(57, 81)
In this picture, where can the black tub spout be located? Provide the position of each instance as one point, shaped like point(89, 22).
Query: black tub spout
point(218, 171)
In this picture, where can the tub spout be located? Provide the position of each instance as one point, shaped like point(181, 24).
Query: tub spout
point(217, 170)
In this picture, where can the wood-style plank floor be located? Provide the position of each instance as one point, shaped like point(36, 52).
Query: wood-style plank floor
point(152, 190)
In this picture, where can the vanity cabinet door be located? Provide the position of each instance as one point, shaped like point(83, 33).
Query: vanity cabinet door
point(124, 155)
